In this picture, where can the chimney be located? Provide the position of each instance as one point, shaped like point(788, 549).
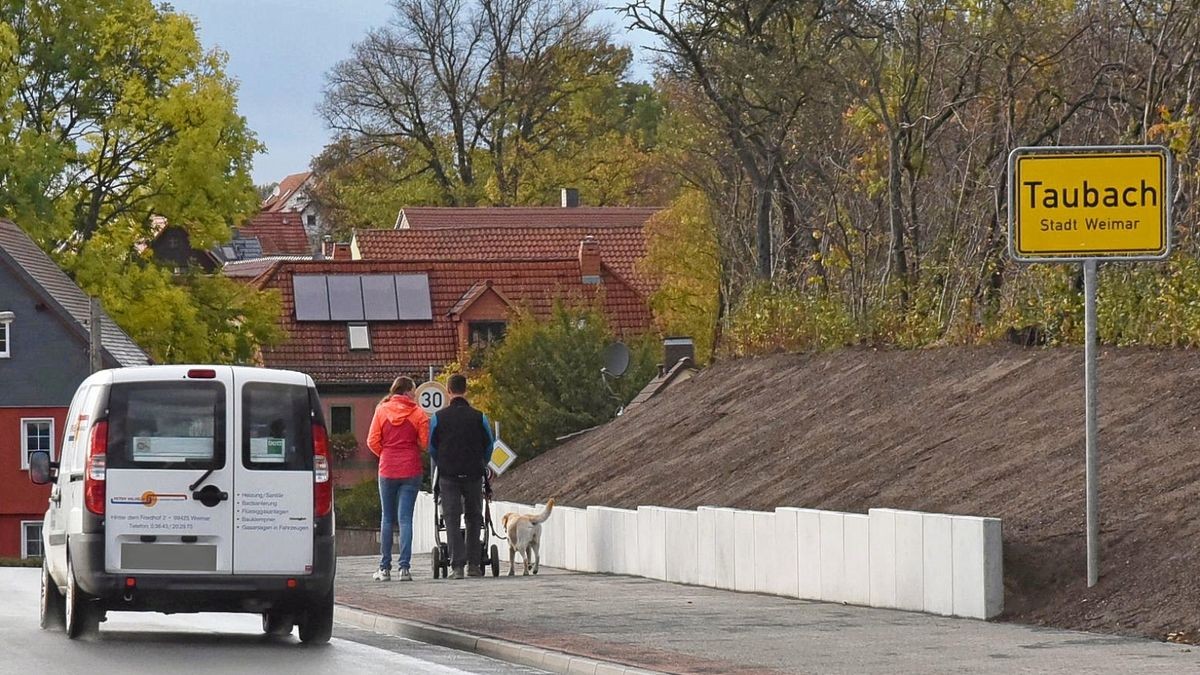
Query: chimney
point(570, 198)
point(676, 348)
point(589, 260)
point(328, 248)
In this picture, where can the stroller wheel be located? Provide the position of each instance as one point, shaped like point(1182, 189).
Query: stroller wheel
point(437, 561)
point(495, 561)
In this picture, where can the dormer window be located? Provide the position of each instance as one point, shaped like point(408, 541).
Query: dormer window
point(360, 337)
point(6, 319)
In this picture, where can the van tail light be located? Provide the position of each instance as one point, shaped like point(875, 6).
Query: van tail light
point(93, 477)
point(322, 474)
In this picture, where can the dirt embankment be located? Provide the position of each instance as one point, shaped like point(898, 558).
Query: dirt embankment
point(986, 431)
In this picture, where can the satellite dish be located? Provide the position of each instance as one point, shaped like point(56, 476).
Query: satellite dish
point(616, 359)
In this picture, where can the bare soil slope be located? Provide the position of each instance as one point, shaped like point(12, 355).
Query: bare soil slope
point(992, 431)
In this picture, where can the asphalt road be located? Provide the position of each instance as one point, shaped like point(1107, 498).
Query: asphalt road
point(207, 643)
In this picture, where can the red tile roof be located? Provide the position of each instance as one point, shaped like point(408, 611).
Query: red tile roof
point(279, 232)
point(621, 247)
point(287, 188)
point(423, 217)
point(321, 349)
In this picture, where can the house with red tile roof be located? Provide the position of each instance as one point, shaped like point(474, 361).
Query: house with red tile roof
point(514, 233)
point(278, 233)
point(291, 196)
point(356, 325)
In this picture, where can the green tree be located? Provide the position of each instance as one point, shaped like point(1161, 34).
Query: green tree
point(544, 380)
point(682, 253)
point(211, 319)
point(111, 113)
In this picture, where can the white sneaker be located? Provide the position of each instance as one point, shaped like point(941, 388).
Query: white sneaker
point(384, 575)
point(404, 574)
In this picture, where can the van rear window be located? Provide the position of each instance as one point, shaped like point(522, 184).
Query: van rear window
point(166, 425)
point(276, 427)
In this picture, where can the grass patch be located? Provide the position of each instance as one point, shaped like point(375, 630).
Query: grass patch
point(20, 562)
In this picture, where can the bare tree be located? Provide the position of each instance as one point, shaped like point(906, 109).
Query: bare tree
point(463, 80)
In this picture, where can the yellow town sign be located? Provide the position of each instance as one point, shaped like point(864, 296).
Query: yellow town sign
point(1092, 202)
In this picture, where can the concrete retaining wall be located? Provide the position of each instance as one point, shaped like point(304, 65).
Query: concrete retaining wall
point(925, 562)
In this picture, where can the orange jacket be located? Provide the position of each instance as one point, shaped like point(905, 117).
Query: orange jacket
point(399, 432)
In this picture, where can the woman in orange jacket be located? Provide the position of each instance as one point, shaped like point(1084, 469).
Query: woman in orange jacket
point(399, 433)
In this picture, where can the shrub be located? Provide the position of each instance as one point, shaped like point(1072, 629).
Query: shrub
point(343, 446)
point(358, 506)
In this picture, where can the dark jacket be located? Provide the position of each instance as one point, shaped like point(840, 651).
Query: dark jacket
point(460, 441)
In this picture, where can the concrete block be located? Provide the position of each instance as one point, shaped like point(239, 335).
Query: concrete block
point(910, 560)
point(681, 546)
point(725, 548)
point(764, 551)
point(856, 548)
point(551, 542)
point(938, 559)
point(597, 528)
point(833, 557)
point(785, 575)
point(808, 554)
point(630, 543)
point(743, 554)
point(706, 548)
point(583, 543)
point(978, 567)
point(570, 535)
point(883, 557)
point(652, 542)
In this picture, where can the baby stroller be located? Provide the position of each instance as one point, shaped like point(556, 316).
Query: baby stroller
point(489, 553)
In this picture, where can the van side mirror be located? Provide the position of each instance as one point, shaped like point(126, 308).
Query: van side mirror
point(41, 469)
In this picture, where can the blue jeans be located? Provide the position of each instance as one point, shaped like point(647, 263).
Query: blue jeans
point(398, 497)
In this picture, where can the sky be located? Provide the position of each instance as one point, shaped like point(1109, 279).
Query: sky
point(279, 51)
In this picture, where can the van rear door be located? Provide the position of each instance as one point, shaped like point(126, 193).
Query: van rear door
point(168, 505)
point(273, 524)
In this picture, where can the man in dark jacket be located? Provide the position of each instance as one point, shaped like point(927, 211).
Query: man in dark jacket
point(460, 444)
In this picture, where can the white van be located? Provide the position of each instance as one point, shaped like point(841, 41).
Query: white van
point(191, 489)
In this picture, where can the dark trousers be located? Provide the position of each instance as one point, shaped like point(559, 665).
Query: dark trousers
point(463, 497)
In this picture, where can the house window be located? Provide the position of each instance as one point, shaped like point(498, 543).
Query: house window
point(311, 219)
point(483, 334)
point(36, 434)
point(5, 334)
point(31, 538)
point(341, 419)
point(360, 337)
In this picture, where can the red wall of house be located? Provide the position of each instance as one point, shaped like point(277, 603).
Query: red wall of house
point(363, 465)
point(19, 498)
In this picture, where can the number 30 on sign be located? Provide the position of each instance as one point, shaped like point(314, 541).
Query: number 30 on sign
point(432, 397)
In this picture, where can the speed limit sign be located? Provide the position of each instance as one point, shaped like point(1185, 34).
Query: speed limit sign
point(432, 397)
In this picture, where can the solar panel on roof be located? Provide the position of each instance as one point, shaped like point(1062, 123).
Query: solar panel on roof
point(312, 297)
point(412, 297)
point(345, 298)
point(379, 297)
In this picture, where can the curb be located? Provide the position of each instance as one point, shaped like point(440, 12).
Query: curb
point(511, 652)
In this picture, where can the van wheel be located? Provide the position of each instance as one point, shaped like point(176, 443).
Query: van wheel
point(317, 625)
point(52, 602)
point(82, 616)
point(277, 624)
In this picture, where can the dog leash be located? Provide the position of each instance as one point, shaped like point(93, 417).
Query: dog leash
point(490, 525)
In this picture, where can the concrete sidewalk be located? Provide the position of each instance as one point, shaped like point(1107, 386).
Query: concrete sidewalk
point(687, 629)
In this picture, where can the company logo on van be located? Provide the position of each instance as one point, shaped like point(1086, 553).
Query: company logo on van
point(150, 498)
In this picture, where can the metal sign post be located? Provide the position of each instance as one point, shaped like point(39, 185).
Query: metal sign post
point(1091, 452)
point(1085, 204)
